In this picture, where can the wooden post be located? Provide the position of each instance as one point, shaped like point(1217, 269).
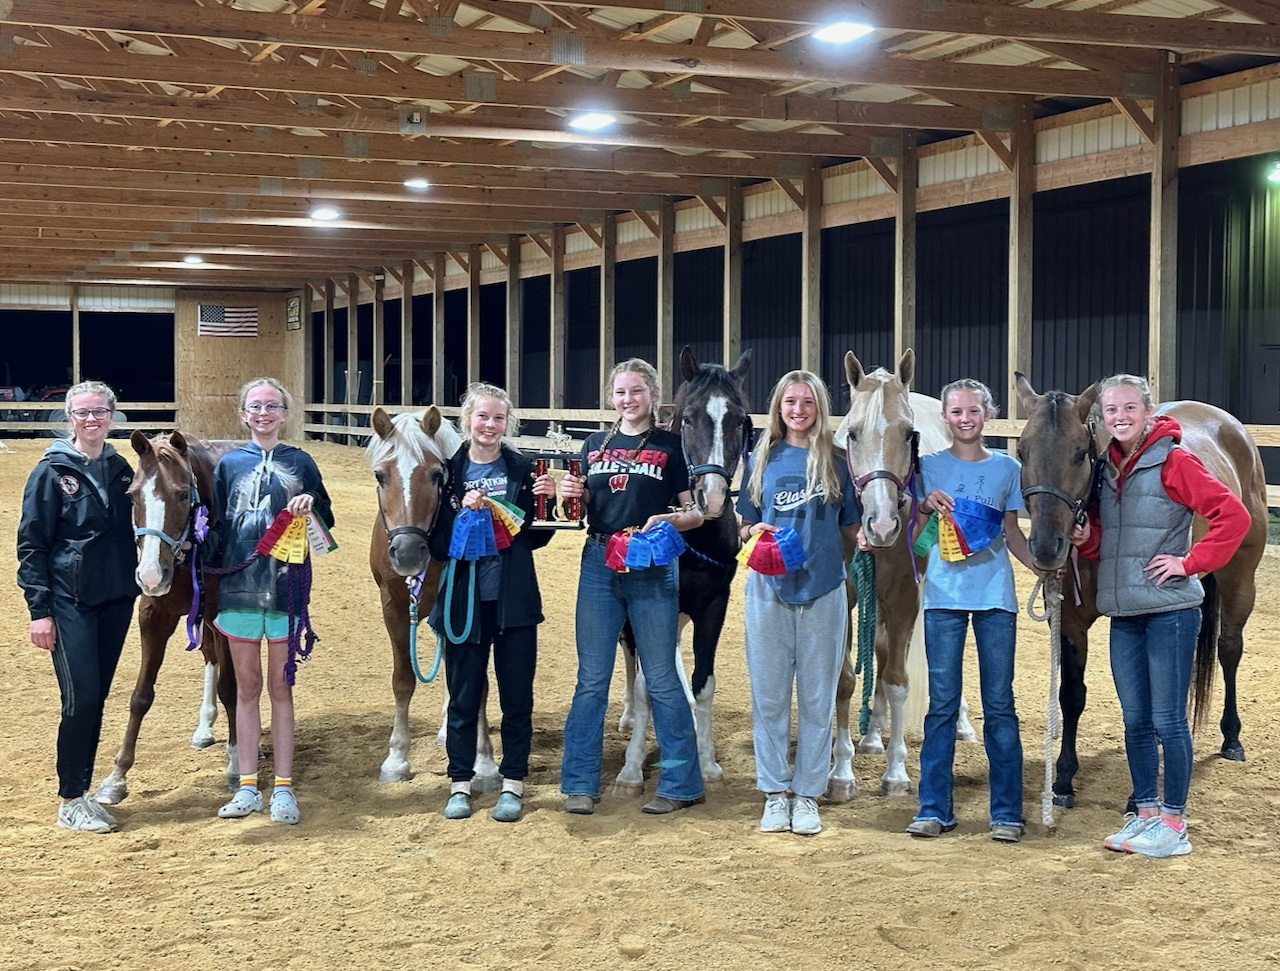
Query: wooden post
point(406, 334)
point(558, 318)
point(330, 360)
point(811, 270)
point(732, 337)
point(1162, 352)
point(75, 339)
point(437, 330)
point(513, 326)
point(309, 351)
point(904, 249)
point(1023, 149)
point(608, 292)
point(376, 391)
point(353, 351)
point(473, 313)
point(664, 352)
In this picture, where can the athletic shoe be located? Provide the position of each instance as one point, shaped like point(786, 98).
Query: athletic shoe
point(458, 806)
point(1133, 825)
point(1160, 840)
point(929, 828)
point(77, 815)
point(244, 802)
point(509, 808)
point(284, 805)
point(804, 817)
point(99, 810)
point(777, 814)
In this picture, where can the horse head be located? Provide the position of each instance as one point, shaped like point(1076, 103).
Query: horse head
point(881, 444)
point(713, 419)
point(164, 496)
point(409, 455)
point(1058, 454)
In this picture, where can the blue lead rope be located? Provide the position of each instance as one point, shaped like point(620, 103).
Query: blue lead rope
point(415, 589)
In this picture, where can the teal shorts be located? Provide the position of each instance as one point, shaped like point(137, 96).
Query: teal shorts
point(251, 624)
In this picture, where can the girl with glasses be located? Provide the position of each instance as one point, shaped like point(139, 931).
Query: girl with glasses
point(76, 559)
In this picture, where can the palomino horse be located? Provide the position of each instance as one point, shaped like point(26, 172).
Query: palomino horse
point(174, 472)
point(1058, 449)
point(409, 456)
point(714, 420)
point(886, 429)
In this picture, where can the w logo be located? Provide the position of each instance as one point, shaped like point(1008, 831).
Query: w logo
point(618, 482)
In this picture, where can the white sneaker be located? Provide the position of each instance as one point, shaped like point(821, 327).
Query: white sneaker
point(1133, 825)
point(99, 810)
point(804, 817)
point(777, 814)
point(1160, 840)
point(77, 815)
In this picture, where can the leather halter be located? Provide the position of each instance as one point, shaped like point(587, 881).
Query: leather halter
point(1079, 506)
point(174, 544)
point(904, 485)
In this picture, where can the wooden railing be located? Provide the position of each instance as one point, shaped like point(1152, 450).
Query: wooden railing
point(40, 410)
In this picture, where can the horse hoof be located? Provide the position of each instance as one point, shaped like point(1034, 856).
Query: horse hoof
point(111, 795)
point(897, 787)
point(626, 723)
point(969, 736)
point(482, 784)
point(398, 771)
point(628, 790)
point(1065, 800)
point(1232, 751)
point(841, 790)
point(713, 775)
point(869, 746)
point(202, 739)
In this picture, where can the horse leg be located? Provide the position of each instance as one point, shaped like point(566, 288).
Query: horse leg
point(395, 767)
point(1236, 595)
point(155, 629)
point(706, 635)
point(202, 737)
point(628, 719)
point(965, 731)
point(872, 742)
point(442, 736)
point(1072, 694)
point(841, 783)
point(630, 781)
point(487, 778)
point(226, 687)
point(893, 679)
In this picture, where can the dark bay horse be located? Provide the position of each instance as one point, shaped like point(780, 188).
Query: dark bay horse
point(1058, 447)
point(409, 456)
point(713, 418)
point(174, 477)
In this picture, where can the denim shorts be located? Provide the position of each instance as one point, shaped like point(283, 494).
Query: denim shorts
point(252, 624)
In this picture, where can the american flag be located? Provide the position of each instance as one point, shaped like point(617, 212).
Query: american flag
point(217, 321)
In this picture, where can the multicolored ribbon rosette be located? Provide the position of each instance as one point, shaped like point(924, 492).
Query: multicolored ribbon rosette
point(969, 528)
point(285, 538)
point(473, 535)
point(774, 553)
point(928, 536)
point(633, 549)
point(508, 520)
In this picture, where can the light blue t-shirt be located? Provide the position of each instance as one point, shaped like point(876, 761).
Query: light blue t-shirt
point(492, 478)
point(983, 580)
point(787, 502)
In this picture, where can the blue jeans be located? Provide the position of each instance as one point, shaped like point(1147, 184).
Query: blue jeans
point(1151, 657)
point(650, 599)
point(944, 632)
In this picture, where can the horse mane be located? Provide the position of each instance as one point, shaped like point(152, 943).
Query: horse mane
point(409, 439)
point(710, 377)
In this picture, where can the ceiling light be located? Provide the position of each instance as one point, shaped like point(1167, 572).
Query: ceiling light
point(193, 258)
point(1274, 174)
point(592, 120)
point(325, 214)
point(417, 183)
point(842, 32)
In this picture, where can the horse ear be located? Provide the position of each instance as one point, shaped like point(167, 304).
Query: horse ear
point(1085, 401)
point(431, 421)
point(179, 442)
point(382, 424)
point(739, 370)
point(688, 363)
point(141, 444)
point(907, 367)
point(1026, 394)
point(853, 369)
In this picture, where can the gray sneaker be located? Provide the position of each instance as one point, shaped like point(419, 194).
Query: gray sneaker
point(804, 817)
point(1133, 825)
point(77, 815)
point(776, 817)
point(1160, 840)
point(99, 810)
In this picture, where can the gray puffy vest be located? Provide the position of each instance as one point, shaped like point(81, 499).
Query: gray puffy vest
point(1144, 523)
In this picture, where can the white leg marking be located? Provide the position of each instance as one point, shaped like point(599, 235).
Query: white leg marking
point(113, 789)
point(487, 778)
point(895, 781)
point(233, 766)
point(628, 718)
point(965, 732)
point(395, 767)
point(841, 783)
point(711, 771)
point(630, 781)
point(917, 680)
point(871, 743)
point(202, 737)
point(442, 736)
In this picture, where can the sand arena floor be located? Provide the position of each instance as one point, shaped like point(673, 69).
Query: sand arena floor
point(375, 877)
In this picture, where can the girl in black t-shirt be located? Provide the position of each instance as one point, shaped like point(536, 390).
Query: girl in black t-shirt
point(635, 473)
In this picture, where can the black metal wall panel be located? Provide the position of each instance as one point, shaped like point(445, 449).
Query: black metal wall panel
point(493, 333)
point(140, 369)
point(455, 346)
point(636, 314)
point(36, 351)
point(857, 301)
point(699, 313)
point(424, 354)
point(962, 297)
point(391, 351)
point(535, 342)
point(770, 312)
point(582, 334)
point(1090, 295)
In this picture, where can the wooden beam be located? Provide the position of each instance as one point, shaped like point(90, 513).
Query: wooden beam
point(473, 314)
point(664, 353)
point(649, 221)
point(353, 346)
point(714, 208)
point(559, 319)
point(75, 335)
point(887, 175)
point(591, 232)
point(1162, 349)
point(406, 334)
point(998, 149)
point(1138, 118)
point(1021, 243)
point(514, 326)
point(608, 292)
point(731, 339)
point(811, 271)
point(904, 249)
point(377, 391)
point(795, 194)
point(437, 331)
point(542, 243)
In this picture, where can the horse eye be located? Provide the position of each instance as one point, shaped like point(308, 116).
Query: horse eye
point(1081, 456)
point(1022, 455)
point(380, 477)
point(438, 478)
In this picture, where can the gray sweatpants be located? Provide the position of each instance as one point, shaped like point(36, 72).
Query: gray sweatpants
point(804, 644)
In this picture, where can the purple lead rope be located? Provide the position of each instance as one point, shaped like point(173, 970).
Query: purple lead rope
point(195, 616)
point(299, 619)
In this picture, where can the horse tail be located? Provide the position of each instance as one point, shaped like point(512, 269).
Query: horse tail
point(1206, 662)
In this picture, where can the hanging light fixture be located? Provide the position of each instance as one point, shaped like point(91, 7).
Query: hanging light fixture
point(842, 32)
point(325, 213)
point(1274, 174)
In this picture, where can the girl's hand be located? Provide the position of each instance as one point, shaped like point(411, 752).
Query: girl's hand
point(572, 486)
point(1080, 534)
point(300, 505)
point(938, 501)
point(43, 633)
point(862, 540)
point(474, 499)
point(1163, 566)
point(544, 485)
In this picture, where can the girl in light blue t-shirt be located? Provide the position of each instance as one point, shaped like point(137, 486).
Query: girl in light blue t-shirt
point(978, 587)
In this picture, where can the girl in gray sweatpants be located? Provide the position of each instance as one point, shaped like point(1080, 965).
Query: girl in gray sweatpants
point(796, 623)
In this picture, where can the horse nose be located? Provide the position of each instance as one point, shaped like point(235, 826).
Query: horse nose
point(152, 581)
point(882, 529)
point(1048, 551)
point(408, 555)
point(712, 497)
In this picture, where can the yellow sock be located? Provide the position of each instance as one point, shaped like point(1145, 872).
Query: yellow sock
point(249, 780)
point(285, 781)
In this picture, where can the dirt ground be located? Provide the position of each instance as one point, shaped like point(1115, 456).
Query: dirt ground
point(375, 877)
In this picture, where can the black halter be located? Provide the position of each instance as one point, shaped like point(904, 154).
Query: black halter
point(1079, 506)
point(710, 468)
point(422, 534)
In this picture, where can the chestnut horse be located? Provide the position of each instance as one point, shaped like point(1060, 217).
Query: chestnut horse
point(1059, 447)
point(174, 477)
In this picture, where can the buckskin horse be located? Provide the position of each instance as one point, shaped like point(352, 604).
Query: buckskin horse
point(1059, 450)
point(174, 472)
point(713, 418)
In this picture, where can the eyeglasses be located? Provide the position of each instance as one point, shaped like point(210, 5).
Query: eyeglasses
point(82, 414)
point(258, 408)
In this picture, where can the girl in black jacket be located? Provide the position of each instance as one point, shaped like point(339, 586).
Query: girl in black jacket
point(76, 560)
point(504, 600)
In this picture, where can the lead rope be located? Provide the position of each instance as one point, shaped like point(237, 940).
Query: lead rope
point(1053, 711)
point(863, 571)
point(415, 590)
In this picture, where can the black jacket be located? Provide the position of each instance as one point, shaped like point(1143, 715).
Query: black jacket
point(520, 601)
point(70, 543)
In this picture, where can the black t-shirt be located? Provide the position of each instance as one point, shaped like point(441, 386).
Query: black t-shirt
point(627, 486)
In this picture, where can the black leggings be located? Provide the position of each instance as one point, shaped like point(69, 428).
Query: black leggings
point(85, 654)
point(515, 658)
